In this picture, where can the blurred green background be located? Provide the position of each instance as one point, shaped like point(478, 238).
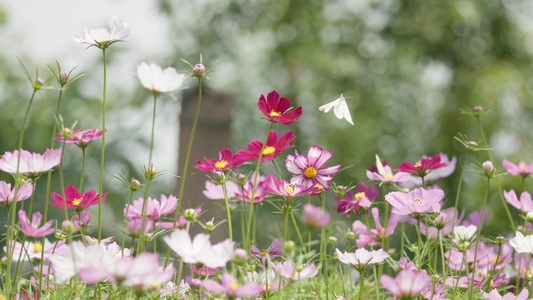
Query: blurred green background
point(405, 67)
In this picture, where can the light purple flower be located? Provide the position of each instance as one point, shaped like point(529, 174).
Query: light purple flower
point(155, 79)
point(363, 198)
point(362, 259)
point(153, 208)
point(260, 191)
point(275, 250)
point(415, 203)
point(35, 250)
point(229, 285)
point(103, 38)
point(31, 164)
point(383, 173)
point(495, 295)
point(309, 170)
point(7, 194)
point(32, 229)
point(199, 250)
point(379, 234)
point(525, 204)
point(406, 285)
point(214, 191)
point(315, 217)
point(290, 271)
point(521, 169)
point(85, 219)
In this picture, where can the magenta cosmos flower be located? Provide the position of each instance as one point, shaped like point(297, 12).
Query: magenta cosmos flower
point(423, 167)
point(285, 189)
point(32, 229)
point(225, 161)
point(416, 203)
point(362, 259)
point(273, 147)
point(521, 169)
point(363, 198)
point(82, 138)
point(31, 165)
point(75, 199)
point(7, 194)
point(278, 110)
point(309, 170)
point(406, 285)
point(229, 285)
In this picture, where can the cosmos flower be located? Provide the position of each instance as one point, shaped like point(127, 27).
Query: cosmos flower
point(7, 194)
point(225, 161)
point(285, 189)
point(153, 208)
point(340, 108)
point(274, 250)
point(406, 285)
point(362, 259)
point(278, 110)
point(288, 270)
point(75, 199)
point(521, 243)
point(315, 216)
point(423, 167)
point(32, 229)
point(495, 295)
point(82, 138)
point(214, 191)
point(260, 192)
point(525, 204)
point(230, 286)
point(31, 165)
point(155, 79)
point(309, 170)
point(273, 147)
point(378, 234)
point(363, 198)
point(35, 250)
point(103, 38)
point(521, 169)
point(416, 203)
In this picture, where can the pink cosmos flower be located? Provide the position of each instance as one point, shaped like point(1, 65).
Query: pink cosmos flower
point(495, 295)
point(406, 285)
point(273, 147)
point(362, 259)
point(415, 203)
point(278, 110)
point(309, 170)
point(153, 208)
point(204, 271)
point(84, 221)
point(434, 175)
point(74, 257)
point(525, 204)
point(225, 161)
point(214, 191)
point(32, 229)
point(82, 138)
point(199, 250)
point(260, 192)
point(290, 271)
point(31, 164)
point(229, 285)
point(521, 169)
point(382, 172)
point(75, 199)
point(315, 217)
point(7, 194)
point(103, 38)
point(275, 250)
point(35, 250)
point(379, 234)
point(363, 198)
point(423, 167)
point(138, 227)
point(284, 189)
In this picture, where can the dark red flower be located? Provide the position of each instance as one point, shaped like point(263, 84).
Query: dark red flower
point(423, 167)
point(226, 161)
point(273, 147)
point(278, 110)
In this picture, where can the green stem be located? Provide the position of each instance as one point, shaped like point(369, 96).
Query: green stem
point(62, 182)
point(82, 168)
point(297, 229)
point(100, 185)
point(126, 222)
point(228, 211)
point(463, 168)
point(419, 244)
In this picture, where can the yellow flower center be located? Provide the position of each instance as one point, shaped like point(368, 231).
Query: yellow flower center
point(156, 286)
point(387, 176)
point(359, 196)
point(76, 201)
point(234, 286)
point(221, 164)
point(274, 114)
point(319, 186)
point(37, 247)
point(296, 274)
point(497, 260)
point(522, 168)
point(310, 172)
point(289, 188)
point(417, 200)
point(268, 150)
point(264, 252)
point(418, 165)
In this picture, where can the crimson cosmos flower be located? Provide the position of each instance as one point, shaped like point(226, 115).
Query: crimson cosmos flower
point(75, 199)
point(273, 147)
point(225, 161)
point(278, 110)
point(423, 167)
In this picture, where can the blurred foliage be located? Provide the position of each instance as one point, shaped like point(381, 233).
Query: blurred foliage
point(406, 67)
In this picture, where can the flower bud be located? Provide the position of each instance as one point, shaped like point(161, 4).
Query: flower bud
point(477, 111)
point(150, 173)
point(240, 256)
point(435, 278)
point(472, 146)
point(209, 226)
point(488, 167)
point(60, 235)
point(68, 226)
point(500, 240)
point(198, 70)
point(134, 185)
point(350, 235)
point(289, 246)
point(219, 177)
point(63, 77)
point(332, 240)
point(38, 83)
point(340, 190)
point(241, 179)
point(66, 132)
point(189, 214)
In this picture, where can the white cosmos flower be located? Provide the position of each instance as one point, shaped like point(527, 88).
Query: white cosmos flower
point(521, 243)
point(340, 108)
point(103, 38)
point(157, 80)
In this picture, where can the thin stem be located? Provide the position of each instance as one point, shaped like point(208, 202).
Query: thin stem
point(228, 211)
point(100, 185)
point(82, 168)
point(126, 222)
point(463, 168)
point(297, 229)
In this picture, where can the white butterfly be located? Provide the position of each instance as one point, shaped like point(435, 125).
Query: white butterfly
point(340, 108)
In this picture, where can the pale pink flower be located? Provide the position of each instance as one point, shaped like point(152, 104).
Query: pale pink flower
point(31, 164)
point(7, 194)
point(274, 250)
point(230, 286)
point(315, 217)
point(495, 295)
point(103, 38)
point(214, 191)
point(35, 250)
point(521, 169)
point(378, 234)
point(362, 259)
point(309, 170)
point(415, 203)
point(290, 271)
point(75, 257)
point(525, 204)
point(32, 229)
point(153, 208)
point(406, 285)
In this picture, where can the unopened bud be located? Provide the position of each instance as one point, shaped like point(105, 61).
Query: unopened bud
point(66, 132)
point(332, 240)
point(241, 179)
point(477, 110)
point(38, 83)
point(340, 190)
point(209, 226)
point(289, 246)
point(198, 70)
point(488, 167)
point(500, 240)
point(472, 146)
point(60, 235)
point(435, 278)
point(63, 77)
point(189, 214)
point(134, 185)
point(240, 255)
point(350, 235)
point(68, 226)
